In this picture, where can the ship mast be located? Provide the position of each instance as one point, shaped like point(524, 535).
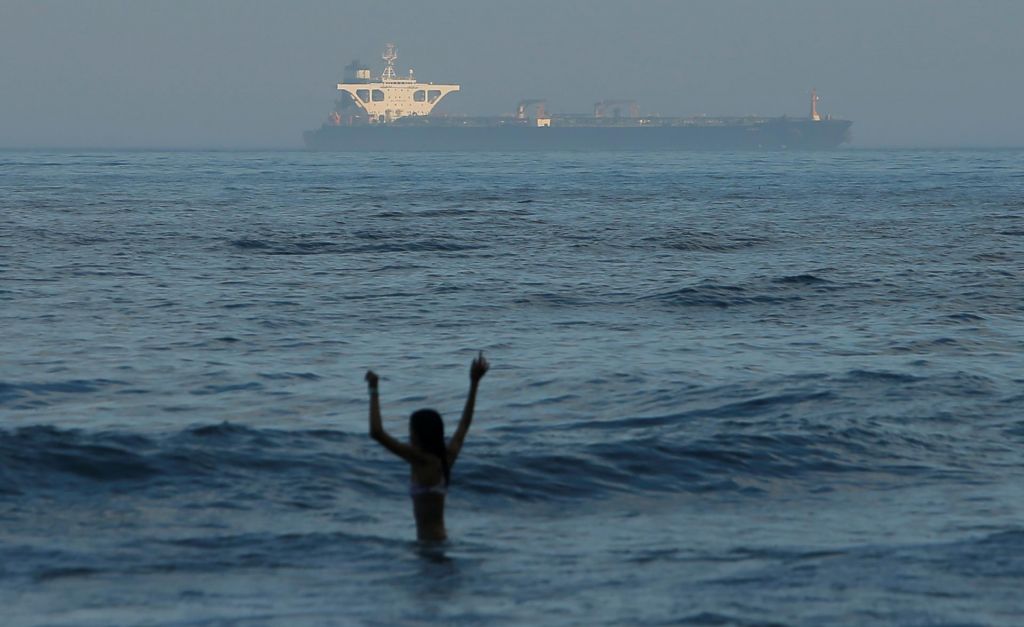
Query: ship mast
point(389, 56)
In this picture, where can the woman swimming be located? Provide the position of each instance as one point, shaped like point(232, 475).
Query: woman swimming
point(430, 460)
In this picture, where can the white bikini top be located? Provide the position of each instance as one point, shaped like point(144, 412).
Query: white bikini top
point(439, 488)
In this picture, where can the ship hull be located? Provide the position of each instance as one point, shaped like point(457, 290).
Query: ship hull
point(774, 134)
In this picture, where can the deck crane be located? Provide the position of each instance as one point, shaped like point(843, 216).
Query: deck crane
point(525, 104)
point(601, 108)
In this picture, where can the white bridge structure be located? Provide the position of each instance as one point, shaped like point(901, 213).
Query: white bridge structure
point(392, 97)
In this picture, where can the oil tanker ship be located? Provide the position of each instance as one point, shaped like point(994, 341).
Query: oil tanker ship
point(395, 113)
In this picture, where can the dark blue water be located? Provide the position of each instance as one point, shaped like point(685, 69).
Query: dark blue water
point(727, 389)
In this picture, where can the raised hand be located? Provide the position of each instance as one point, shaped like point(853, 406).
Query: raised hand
point(478, 368)
point(371, 378)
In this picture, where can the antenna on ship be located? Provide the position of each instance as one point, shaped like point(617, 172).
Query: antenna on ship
point(814, 105)
point(389, 56)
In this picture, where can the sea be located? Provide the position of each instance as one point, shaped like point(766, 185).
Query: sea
point(750, 388)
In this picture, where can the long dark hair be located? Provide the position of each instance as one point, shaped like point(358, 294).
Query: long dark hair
point(428, 428)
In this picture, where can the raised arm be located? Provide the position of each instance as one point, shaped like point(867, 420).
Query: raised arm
point(477, 370)
point(377, 431)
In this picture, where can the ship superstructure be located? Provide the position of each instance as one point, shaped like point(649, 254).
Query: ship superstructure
point(389, 98)
point(395, 113)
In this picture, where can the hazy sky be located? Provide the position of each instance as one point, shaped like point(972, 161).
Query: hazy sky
point(244, 73)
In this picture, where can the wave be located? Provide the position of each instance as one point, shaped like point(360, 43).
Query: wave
point(704, 241)
point(317, 247)
point(29, 394)
point(44, 457)
point(777, 290)
point(801, 279)
point(310, 468)
point(711, 294)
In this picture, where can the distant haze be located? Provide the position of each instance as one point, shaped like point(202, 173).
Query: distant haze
point(248, 74)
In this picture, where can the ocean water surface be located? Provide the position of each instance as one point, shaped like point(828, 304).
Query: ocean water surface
point(727, 388)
